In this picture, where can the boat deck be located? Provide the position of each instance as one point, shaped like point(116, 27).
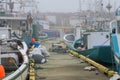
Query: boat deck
point(7, 49)
point(62, 66)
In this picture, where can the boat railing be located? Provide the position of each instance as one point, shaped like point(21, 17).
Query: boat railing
point(113, 26)
point(22, 70)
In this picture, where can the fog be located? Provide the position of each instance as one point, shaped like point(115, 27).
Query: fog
point(73, 5)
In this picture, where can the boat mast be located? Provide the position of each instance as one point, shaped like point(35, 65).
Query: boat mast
point(79, 5)
point(109, 6)
point(79, 11)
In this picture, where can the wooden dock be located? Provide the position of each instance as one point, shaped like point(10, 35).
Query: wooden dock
point(63, 66)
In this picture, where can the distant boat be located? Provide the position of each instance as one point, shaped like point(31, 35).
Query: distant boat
point(43, 35)
point(69, 38)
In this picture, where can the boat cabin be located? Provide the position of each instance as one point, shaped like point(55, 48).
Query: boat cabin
point(94, 39)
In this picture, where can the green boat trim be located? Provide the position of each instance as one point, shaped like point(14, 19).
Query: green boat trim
point(102, 54)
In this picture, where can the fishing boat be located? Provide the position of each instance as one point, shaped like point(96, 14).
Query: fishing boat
point(71, 37)
point(102, 46)
point(15, 61)
point(14, 50)
point(115, 40)
point(43, 35)
point(94, 44)
point(13, 55)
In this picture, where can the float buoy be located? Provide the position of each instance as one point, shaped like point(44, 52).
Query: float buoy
point(2, 72)
point(33, 40)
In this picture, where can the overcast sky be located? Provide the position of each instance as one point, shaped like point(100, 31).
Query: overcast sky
point(58, 5)
point(71, 5)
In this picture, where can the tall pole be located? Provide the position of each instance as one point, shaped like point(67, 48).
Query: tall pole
point(109, 7)
point(79, 5)
point(79, 12)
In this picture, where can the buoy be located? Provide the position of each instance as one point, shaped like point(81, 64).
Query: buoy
point(33, 40)
point(2, 72)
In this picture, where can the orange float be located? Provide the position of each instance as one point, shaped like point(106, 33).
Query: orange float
point(33, 40)
point(2, 71)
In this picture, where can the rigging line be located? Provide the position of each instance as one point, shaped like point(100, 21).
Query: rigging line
point(105, 42)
